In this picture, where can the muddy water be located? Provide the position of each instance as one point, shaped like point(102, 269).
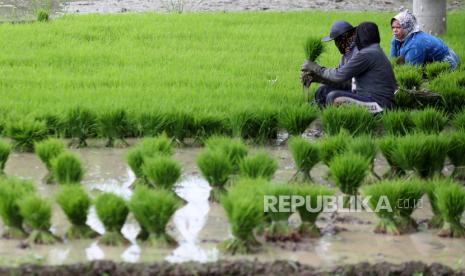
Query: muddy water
point(199, 226)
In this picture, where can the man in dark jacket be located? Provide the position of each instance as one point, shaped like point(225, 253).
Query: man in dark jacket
point(374, 77)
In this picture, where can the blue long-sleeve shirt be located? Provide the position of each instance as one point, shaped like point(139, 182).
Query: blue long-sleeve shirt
point(420, 48)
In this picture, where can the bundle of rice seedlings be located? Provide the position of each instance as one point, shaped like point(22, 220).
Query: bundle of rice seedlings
point(295, 120)
point(25, 132)
point(333, 146)
point(381, 195)
point(434, 69)
point(114, 124)
point(305, 154)
point(216, 168)
point(37, 214)
point(355, 119)
point(55, 123)
point(397, 122)
point(180, 125)
point(458, 121)
point(48, 150)
point(112, 211)
point(429, 120)
point(151, 123)
point(260, 125)
point(456, 153)
point(450, 87)
point(161, 172)
point(408, 77)
point(12, 190)
point(387, 146)
point(312, 208)
point(75, 203)
point(431, 190)
point(313, 48)
point(348, 172)
point(451, 204)
point(42, 15)
point(67, 168)
point(235, 149)
point(80, 124)
point(410, 193)
point(207, 125)
point(4, 153)
point(153, 210)
point(259, 165)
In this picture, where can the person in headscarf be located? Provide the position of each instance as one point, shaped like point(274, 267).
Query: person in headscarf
point(415, 47)
point(374, 77)
point(343, 34)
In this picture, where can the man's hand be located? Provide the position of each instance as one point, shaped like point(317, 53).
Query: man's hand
point(306, 78)
point(310, 66)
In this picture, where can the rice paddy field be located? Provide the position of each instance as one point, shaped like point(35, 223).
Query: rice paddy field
point(149, 137)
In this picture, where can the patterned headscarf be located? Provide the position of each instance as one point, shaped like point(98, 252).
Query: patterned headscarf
point(408, 23)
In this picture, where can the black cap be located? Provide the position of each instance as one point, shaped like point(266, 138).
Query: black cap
point(338, 28)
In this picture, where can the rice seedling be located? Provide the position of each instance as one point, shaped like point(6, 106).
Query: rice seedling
point(333, 146)
point(310, 211)
point(431, 190)
point(410, 193)
point(348, 172)
point(388, 147)
point(216, 168)
point(408, 76)
point(48, 150)
point(429, 120)
point(55, 123)
point(80, 124)
point(450, 87)
point(4, 153)
point(12, 190)
point(151, 123)
point(112, 211)
point(305, 154)
point(43, 15)
point(456, 153)
point(179, 125)
point(259, 125)
point(365, 146)
point(153, 209)
point(234, 149)
point(75, 203)
point(397, 122)
point(67, 168)
point(458, 121)
point(355, 119)
point(451, 204)
point(207, 125)
point(432, 70)
point(114, 124)
point(161, 172)
point(259, 165)
point(313, 48)
point(295, 120)
point(24, 133)
point(37, 213)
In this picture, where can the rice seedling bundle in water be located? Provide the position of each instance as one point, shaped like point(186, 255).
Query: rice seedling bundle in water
point(365, 146)
point(5, 150)
point(114, 124)
point(112, 210)
point(75, 203)
point(429, 120)
point(55, 123)
point(451, 88)
point(388, 146)
point(179, 125)
point(67, 168)
point(235, 149)
point(355, 119)
point(333, 146)
point(216, 168)
point(12, 190)
point(37, 214)
point(434, 69)
point(162, 172)
point(410, 193)
point(295, 120)
point(451, 205)
point(259, 165)
point(153, 210)
point(80, 124)
point(431, 187)
point(305, 154)
point(207, 125)
point(25, 132)
point(408, 76)
point(259, 125)
point(456, 153)
point(397, 122)
point(348, 172)
point(48, 150)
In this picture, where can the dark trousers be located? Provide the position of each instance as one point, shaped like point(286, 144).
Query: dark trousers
point(325, 95)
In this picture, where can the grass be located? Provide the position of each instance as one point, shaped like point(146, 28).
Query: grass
point(313, 48)
point(397, 122)
point(429, 120)
point(235, 149)
point(112, 210)
point(305, 155)
point(75, 203)
point(48, 150)
point(67, 168)
point(25, 132)
point(455, 152)
point(451, 204)
point(5, 150)
point(162, 172)
point(355, 119)
point(259, 165)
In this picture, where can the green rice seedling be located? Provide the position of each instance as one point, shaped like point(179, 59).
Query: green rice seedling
point(260, 125)
point(456, 153)
point(75, 203)
point(80, 124)
point(405, 100)
point(162, 172)
point(151, 123)
point(153, 209)
point(67, 168)
point(431, 190)
point(432, 70)
point(37, 213)
point(24, 133)
point(47, 150)
point(114, 124)
point(355, 119)
point(180, 125)
point(458, 121)
point(348, 172)
point(388, 147)
point(4, 153)
point(410, 193)
point(365, 146)
point(259, 165)
point(235, 149)
point(305, 154)
point(333, 146)
point(295, 120)
point(216, 168)
point(43, 15)
point(313, 48)
point(450, 87)
point(207, 125)
point(112, 210)
point(397, 122)
point(408, 77)
point(451, 204)
point(429, 120)
point(312, 208)
point(55, 123)
point(135, 160)
point(12, 190)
